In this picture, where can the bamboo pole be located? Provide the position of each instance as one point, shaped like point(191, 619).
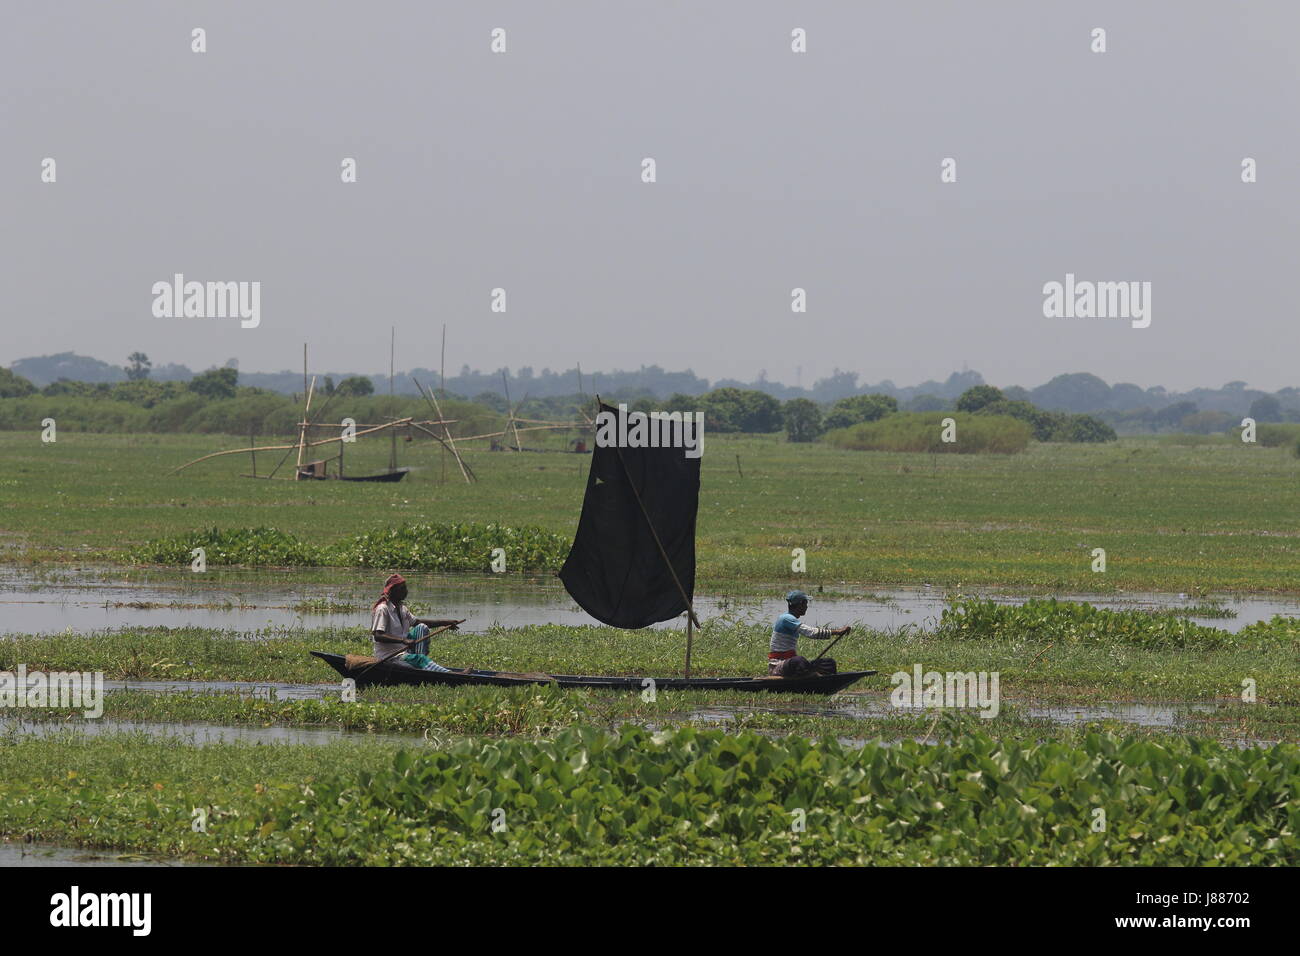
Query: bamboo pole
point(302, 434)
point(370, 429)
point(688, 647)
point(291, 446)
point(502, 434)
point(434, 435)
point(442, 387)
point(510, 410)
point(449, 442)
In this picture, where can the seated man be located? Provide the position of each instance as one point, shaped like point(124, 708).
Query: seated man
point(393, 626)
point(783, 659)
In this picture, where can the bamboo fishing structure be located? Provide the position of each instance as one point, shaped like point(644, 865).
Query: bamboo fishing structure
point(438, 428)
point(447, 440)
point(302, 431)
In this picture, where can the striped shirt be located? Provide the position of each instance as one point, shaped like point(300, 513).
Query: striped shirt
point(788, 629)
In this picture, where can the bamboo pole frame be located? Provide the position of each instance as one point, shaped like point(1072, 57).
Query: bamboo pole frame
point(302, 433)
point(293, 445)
point(447, 441)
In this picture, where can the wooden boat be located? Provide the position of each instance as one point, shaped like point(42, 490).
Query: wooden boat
point(620, 571)
point(397, 475)
point(389, 674)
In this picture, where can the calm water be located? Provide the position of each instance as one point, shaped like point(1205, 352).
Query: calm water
point(1165, 715)
point(266, 601)
point(205, 733)
point(41, 854)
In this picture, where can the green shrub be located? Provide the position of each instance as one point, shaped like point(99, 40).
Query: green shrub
point(145, 406)
point(214, 383)
point(860, 408)
point(1086, 428)
point(72, 413)
point(734, 410)
point(1277, 435)
point(14, 386)
point(977, 397)
point(263, 413)
point(803, 420)
point(1052, 426)
point(921, 431)
point(356, 385)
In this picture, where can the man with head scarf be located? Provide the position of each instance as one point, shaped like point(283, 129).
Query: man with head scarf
point(393, 625)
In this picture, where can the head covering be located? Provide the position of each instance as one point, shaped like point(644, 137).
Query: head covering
point(393, 581)
point(794, 597)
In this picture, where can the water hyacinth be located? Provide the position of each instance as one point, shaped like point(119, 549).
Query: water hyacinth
point(418, 547)
point(688, 796)
point(1076, 622)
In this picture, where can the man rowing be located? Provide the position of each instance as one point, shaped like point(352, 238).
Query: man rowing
point(783, 659)
point(393, 625)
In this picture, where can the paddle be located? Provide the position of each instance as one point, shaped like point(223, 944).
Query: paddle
point(827, 648)
point(406, 646)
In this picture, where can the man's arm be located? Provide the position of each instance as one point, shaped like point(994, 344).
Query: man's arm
point(383, 637)
point(821, 633)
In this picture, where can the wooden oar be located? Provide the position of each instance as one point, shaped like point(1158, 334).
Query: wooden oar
point(406, 646)
point(826, 649)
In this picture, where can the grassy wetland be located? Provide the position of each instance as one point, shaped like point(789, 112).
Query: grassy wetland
point(1179, 518)
point(1183, 732)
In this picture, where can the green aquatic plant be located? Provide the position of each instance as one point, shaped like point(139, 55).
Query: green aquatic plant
point(422, 547)
point(689, 796)
point(1076, 622)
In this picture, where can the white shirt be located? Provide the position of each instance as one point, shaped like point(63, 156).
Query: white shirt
point(392, 621)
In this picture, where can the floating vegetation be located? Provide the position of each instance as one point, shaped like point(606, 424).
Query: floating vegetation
point(421, 547)
point(1074, 622)
point(689, 796)
point(1207, 609)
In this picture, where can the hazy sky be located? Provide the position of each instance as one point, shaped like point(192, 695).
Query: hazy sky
point(775, 170)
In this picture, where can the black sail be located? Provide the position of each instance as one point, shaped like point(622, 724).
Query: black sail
point(615, 569)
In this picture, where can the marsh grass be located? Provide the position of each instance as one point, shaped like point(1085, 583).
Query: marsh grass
point(1172, 518)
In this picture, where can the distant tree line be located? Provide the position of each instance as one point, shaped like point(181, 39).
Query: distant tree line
point(1125, 407)
point(215, 402)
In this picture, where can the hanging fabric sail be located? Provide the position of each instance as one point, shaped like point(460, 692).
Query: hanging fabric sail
point(616, 569)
